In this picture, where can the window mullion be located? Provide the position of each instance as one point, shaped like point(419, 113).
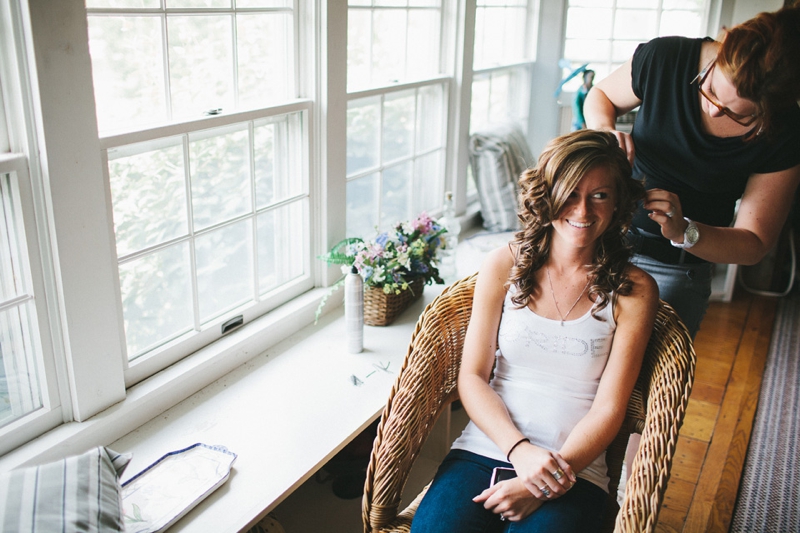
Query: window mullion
point(254, 237)
point(165, 59)
point(190, 225)
point(235, 55)
point(381, 165)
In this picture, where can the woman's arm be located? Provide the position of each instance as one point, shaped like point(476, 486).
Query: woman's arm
point(609, 98)
point(635, 317)
point(485, 408)
point(762, 213)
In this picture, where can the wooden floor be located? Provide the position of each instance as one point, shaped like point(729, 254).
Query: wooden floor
point(731, 351)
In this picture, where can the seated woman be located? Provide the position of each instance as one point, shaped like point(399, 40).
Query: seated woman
point(563, 319)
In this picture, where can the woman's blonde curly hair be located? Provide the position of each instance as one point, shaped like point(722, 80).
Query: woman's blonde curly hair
point(543, 192)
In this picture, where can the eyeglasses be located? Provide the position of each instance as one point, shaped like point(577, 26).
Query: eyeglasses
point(744, 120)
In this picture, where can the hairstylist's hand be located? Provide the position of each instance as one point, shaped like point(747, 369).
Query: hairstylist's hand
point(665, 209)
point(626, 143)
point(510, 499)
point(544, 473)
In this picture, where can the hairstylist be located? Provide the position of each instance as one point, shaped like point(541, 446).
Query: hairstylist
point(717, 121)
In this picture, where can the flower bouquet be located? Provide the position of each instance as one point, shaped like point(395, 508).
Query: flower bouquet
point(396, 265)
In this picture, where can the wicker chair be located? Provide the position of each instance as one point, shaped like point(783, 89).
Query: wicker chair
point(426, 385)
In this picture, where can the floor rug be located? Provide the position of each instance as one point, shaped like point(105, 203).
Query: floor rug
point(769, 491)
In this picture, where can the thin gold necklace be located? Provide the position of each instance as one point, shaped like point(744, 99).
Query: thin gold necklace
point(553, 293)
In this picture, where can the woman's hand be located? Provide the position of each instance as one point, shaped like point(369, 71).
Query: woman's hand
point(510, 499)
point(544, 473)
point(665, 209)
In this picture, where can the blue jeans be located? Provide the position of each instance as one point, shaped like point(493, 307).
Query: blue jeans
point(685, 287)
point(448, 507)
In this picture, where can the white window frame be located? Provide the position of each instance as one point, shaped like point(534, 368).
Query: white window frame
point(174, 350)
point(50, 413)
point(19, 160)
point(382, 93)
point(609, 63)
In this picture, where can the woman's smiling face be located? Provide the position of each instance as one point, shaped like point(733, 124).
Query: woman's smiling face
point(589, 209)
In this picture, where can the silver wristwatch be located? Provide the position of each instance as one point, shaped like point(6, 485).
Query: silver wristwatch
point(690, 236)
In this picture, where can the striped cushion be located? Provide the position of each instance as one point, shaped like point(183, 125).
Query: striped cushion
point(76, 494)
point(498, 156)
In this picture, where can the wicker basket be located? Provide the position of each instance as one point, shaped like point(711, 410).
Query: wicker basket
point(380, 309)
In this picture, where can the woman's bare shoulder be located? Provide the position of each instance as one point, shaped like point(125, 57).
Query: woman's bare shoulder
point(502, 255)
point(643, 297)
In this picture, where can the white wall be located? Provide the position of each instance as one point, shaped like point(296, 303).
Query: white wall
point(746, 9)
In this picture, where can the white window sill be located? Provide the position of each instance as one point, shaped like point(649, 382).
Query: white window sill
point(285, 413)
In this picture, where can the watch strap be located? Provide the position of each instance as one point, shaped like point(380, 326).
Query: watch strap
point(690, 236)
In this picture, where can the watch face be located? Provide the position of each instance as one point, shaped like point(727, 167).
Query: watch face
point(692, 235)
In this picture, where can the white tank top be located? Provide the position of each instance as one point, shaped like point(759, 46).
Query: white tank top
point(547, 375)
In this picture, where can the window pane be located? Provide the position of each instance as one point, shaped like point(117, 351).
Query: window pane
point(589, 23)
point(398, 125)
point(587, 50)
point(488, 48)
point(697, 5)
point(281, 244)
point(200, 64)
point(11, 278)
point(148, 192)
point(359, 38)
point(396, 195)
point(156, 298)
point(638, 4)
point(363, 134)
point(687, 23)
point(263, 3)
point(514, 34)
point(388, 46)
point(362, 206)
point(127, 70)
point(621, 51)
point(431, 117)
point(479, 111)
point(264, 47)
point(635, 24)
point(277, 160)
point(499, 36)
point(123, 3)
point(20, 353)
point(224, 269)
point(19, 379)
point(499, 111)
point(591, 3)
point(423, 43)
point(220, 167)
point(198, 3)
point(428, 188)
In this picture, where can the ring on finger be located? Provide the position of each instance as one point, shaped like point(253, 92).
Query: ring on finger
point(558, 474)
point(670, 213)
point(502, 517)
point(545, 490)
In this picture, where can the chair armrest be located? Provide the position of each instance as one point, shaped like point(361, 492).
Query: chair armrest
point(666, 394)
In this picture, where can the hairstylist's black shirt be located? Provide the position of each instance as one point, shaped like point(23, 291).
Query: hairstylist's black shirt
point(673, 153)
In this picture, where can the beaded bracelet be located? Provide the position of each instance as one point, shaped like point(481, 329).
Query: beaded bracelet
point(520, 441)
